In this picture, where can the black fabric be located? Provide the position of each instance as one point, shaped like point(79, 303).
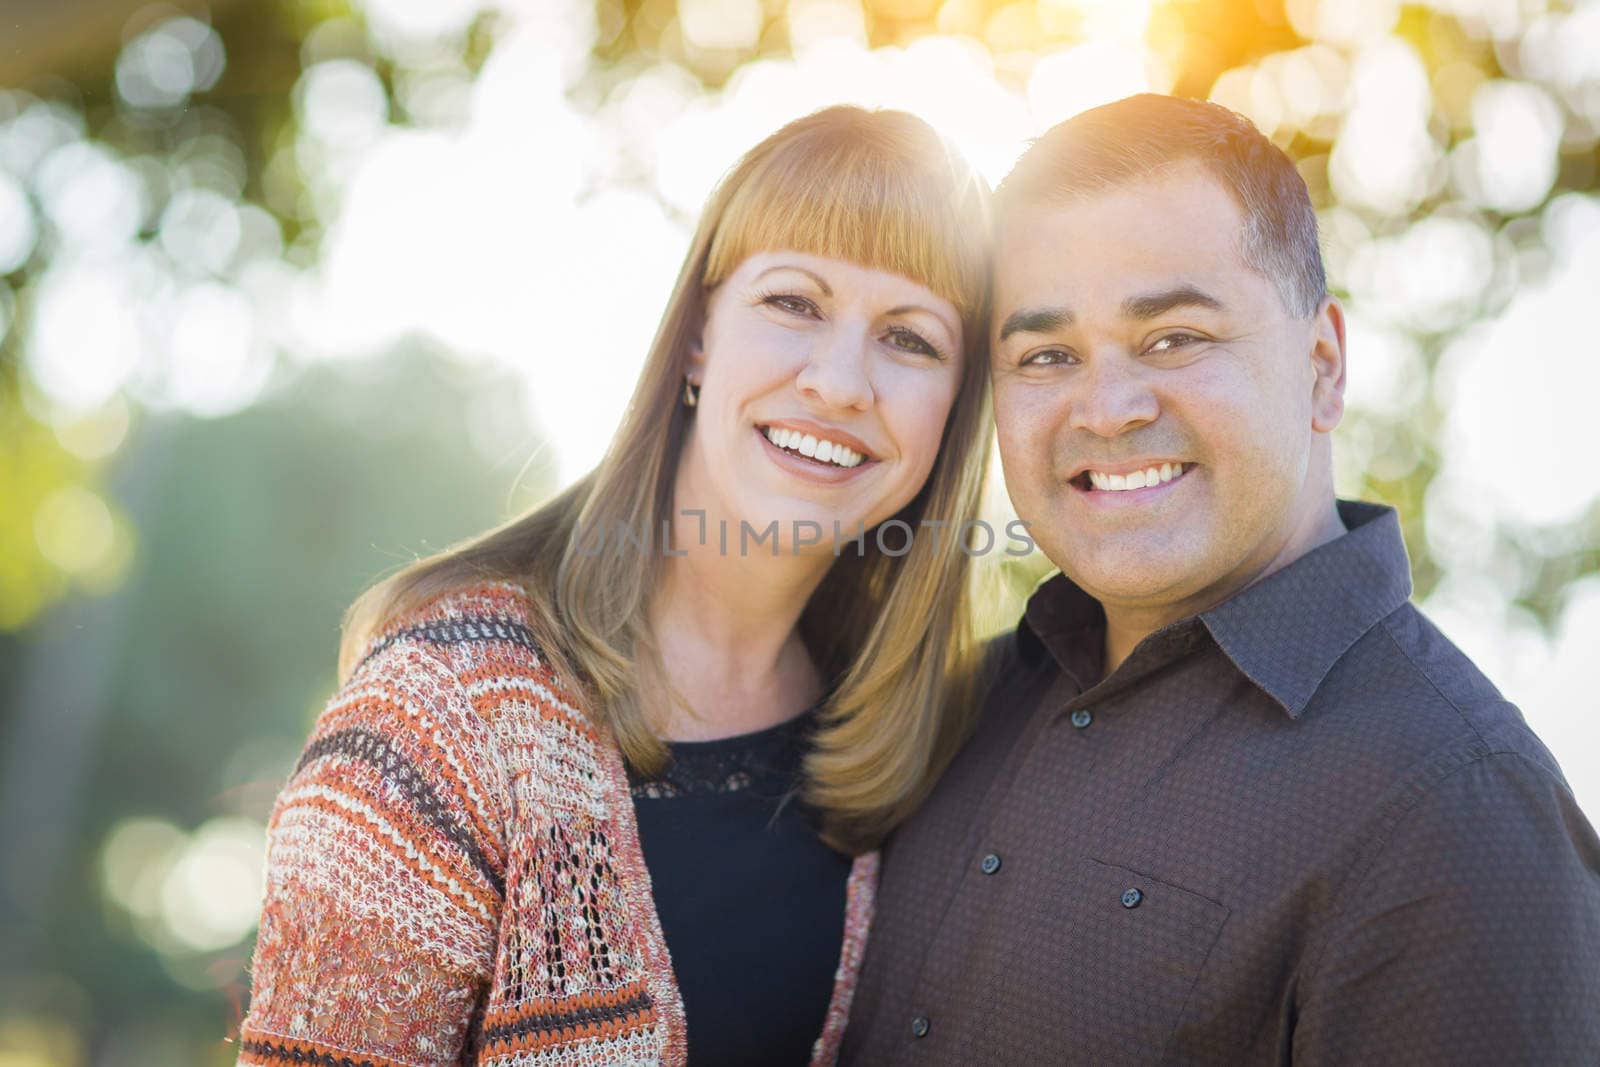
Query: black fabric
point(751, 901)
point(1299, 828)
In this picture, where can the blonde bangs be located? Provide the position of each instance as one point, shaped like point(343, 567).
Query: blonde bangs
point(896, 199)
point(893, 635)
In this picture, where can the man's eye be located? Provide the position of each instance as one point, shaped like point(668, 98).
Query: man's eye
point(911, 341)
point(1046, 357)
point(1173, 341)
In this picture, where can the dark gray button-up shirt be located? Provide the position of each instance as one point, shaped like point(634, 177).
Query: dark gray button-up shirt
point(1300, 828)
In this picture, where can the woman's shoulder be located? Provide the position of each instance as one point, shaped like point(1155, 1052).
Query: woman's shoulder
point(481, 629)
point(477, 641)
point(481, 616)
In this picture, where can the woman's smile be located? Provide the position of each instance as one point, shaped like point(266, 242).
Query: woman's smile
point(797, 347)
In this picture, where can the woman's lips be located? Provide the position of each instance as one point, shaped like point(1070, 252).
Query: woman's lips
point(822, 473)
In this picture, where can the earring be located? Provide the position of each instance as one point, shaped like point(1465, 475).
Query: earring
point(691, 393)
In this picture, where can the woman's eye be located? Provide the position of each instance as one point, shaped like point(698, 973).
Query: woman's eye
point(910, 341)
point(795, 305)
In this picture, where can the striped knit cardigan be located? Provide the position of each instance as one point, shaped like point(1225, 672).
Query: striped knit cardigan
point(454, 872)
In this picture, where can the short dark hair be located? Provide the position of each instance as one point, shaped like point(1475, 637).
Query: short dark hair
point(1140, 136)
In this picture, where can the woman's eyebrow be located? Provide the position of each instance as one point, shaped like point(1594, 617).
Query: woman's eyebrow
point(827, 290)
point(906, 309)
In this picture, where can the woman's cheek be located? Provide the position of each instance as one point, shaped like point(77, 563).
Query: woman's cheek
point(926, 405)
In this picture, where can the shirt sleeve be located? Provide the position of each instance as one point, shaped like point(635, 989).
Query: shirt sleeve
point(384, 878)
point(1473, 937)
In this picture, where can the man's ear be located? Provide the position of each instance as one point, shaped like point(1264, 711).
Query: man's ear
point(1327, 363)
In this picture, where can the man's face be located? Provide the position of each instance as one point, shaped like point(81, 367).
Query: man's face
point(1131, 339)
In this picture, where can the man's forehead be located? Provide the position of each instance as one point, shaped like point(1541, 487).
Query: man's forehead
point(1156, 233)
point(1139, 208)
point(1172, 181)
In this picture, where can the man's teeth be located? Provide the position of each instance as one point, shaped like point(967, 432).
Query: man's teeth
point(1138, 479)
point(823, 451)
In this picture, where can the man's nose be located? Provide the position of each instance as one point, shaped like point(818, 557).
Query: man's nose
point(1112, 395)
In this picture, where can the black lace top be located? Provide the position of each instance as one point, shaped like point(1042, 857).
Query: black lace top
point(751, 901)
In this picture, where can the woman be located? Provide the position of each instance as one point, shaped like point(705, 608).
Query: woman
point(548, 817)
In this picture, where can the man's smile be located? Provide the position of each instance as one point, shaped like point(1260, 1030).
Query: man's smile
point(1123, 477)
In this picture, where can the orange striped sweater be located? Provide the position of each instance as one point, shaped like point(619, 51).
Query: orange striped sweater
point(454, 872)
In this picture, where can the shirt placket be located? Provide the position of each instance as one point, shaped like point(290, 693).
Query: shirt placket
point(1074, 781)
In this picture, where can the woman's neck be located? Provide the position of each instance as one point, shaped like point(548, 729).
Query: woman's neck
point(726, 628)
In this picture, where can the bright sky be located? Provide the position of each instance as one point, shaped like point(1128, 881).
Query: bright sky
point(509, 239)
point(512, 238)
point(517, 229)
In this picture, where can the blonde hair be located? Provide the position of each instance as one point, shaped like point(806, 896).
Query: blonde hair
point(891, 636)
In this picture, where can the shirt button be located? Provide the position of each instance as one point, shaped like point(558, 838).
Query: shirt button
point(990, 864)
point(919, 1026)
point(1131, 898)
point(1082, 717)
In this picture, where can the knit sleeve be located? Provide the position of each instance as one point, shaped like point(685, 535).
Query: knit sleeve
point(384, 878)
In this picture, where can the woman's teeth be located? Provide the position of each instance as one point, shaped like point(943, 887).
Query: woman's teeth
point(821, 450)
point(1138, 479)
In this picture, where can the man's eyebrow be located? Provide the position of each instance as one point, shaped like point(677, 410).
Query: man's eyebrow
point(1150, 305)
point(827, 290)
point(1035, 320)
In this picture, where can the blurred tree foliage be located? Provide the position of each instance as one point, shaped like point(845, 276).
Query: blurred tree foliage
point(229, 547)
point(1200, 40)
point(251, 107)
point(208, 665)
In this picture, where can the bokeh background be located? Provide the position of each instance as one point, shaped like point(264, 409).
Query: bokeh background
point(292, 291)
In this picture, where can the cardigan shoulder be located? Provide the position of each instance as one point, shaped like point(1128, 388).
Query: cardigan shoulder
point(387, 862)
point(411, 839)
point(476, 631)
point(454, 873)
point(481, 635)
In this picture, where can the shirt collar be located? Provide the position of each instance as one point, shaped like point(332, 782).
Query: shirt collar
point(1069, 624)
point(1288, 630)
point(1284, 632)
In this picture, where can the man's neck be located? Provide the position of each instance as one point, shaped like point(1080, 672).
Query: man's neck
point(1127, 625)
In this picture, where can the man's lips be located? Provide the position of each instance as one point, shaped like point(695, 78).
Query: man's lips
point(1130, 477)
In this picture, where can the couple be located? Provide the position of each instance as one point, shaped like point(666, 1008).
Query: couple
point(619, 783)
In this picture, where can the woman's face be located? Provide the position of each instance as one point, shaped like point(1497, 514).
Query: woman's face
point(825, 386)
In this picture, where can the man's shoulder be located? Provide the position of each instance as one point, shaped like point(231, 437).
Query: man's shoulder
point(1009, 676)
point(1420, 697)
point(1006, 694)
point(999, 656)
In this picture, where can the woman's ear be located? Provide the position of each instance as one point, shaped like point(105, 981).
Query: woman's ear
point(695, 350)
point(696, 359)
point(1328, 364)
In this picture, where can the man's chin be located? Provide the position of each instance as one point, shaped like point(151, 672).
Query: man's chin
point(1131, 579)
point(1131, 594)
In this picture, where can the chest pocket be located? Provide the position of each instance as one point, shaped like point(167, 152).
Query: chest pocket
point(1122, 953)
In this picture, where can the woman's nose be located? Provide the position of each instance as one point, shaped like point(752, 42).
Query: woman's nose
point(836, 372)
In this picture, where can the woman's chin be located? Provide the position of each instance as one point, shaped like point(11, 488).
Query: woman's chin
point(787, 532)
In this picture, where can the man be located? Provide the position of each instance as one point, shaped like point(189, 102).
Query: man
point(1233, 800)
